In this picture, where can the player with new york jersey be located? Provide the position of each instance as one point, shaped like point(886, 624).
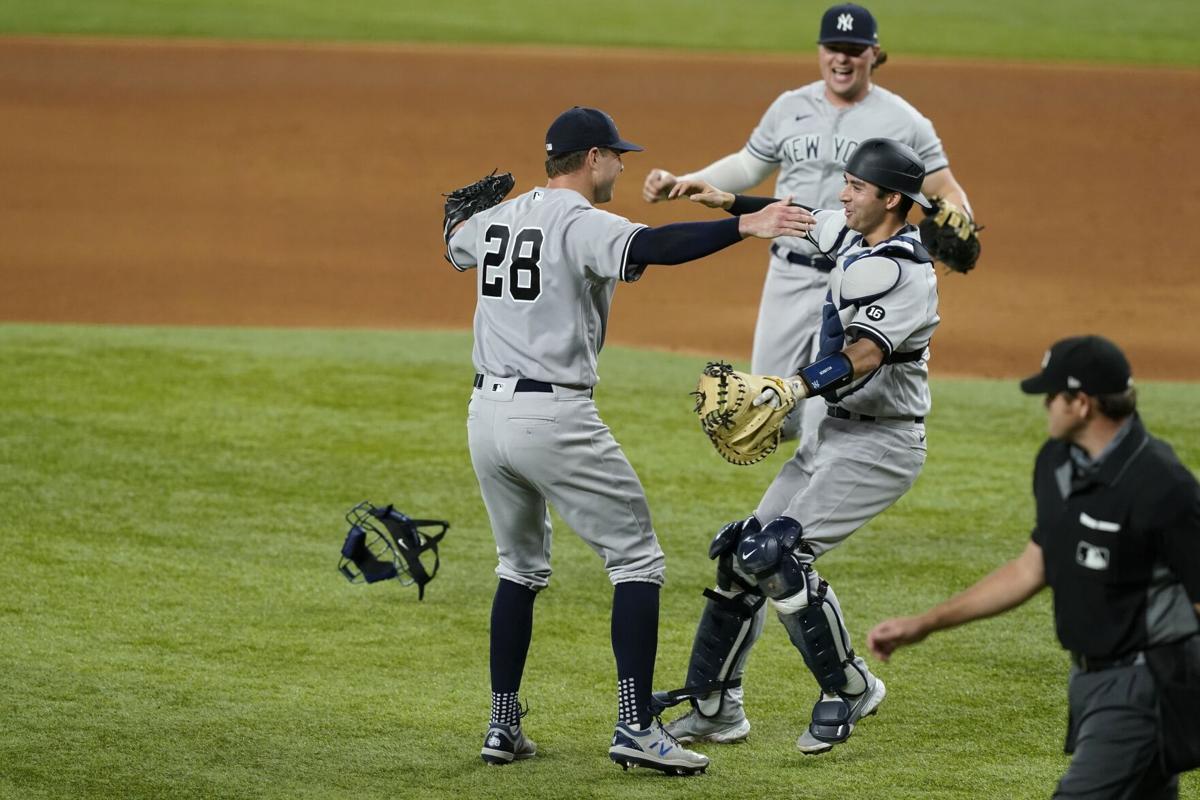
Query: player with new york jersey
point(548, 263)
point(879, 314)
point(806, 137)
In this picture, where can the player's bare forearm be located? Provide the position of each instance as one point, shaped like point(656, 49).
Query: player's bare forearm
point(865, 356)
point(1007, 587)
point(943, 184)
point(777, 219)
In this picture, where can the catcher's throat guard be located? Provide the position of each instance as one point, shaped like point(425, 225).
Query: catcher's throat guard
point(383, 543)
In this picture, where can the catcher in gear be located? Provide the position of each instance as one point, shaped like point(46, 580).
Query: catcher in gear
point(879, 315)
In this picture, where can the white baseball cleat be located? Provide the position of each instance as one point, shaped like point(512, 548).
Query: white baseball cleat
point(692, 727)
point(834, 718)
point(654, 748)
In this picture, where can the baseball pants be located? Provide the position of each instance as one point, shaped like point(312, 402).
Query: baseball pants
point(533, 448)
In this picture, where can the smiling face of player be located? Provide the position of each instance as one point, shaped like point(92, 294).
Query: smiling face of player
point(605, 171)
point(867, 212)
point(846, 70)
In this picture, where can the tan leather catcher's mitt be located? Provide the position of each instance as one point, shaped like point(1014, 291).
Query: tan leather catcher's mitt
point(742, 432)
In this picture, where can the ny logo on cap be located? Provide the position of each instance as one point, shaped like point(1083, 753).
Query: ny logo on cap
point(845, 22)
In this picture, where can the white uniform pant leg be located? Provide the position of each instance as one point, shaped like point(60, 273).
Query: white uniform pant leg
point(860, 469)
point(558, 445)
point(518, 513)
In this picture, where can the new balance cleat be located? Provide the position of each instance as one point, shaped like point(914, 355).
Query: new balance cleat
point(692, 727)
point(654, 748)
point(503, 744)
point(835, 716)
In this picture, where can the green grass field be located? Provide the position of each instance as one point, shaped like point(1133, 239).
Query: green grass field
point(1115, 31)
point(173, 624)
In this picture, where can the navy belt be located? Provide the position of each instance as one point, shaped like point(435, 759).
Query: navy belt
point(841, 413)
point(1088, 664)
point(823, 263)
point(523, 385)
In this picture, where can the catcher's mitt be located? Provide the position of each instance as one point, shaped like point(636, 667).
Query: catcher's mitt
point(950, 235)
point(742, 432)
point(464, 203)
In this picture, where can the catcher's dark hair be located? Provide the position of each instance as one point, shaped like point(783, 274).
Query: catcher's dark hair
point(906, 203)
point(880, 60)
point(565, 163)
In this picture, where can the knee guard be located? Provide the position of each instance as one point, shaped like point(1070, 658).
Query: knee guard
point(770, 558)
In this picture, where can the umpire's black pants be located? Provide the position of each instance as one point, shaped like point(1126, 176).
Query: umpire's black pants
point(1114, 737)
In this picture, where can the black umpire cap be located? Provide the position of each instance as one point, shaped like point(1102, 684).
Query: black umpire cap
point(582, 128)
point(1089, 364)
point(848, 23)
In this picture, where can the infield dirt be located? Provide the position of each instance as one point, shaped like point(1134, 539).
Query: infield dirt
point(298, 185)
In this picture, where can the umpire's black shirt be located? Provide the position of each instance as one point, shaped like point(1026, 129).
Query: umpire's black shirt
point(1121, 544)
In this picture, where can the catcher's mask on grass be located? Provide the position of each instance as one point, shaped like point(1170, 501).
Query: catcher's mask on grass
point(372, 553)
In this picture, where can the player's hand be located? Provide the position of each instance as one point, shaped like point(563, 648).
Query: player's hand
point(771, 397)
point(699, 191)
point(777, 219)
point(892, 634)
point(657, 186)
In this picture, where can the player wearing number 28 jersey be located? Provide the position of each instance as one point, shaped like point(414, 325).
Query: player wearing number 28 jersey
point(548, 263)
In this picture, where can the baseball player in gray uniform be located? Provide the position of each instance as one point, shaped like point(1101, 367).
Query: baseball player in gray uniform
point(548, 262)
point(807, 134)
point(878, 317)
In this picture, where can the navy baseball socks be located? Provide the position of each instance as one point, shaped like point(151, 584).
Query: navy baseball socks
point(512, 628)
point(639, 738)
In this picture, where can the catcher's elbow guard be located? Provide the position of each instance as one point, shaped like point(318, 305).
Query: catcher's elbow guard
point(827, 374)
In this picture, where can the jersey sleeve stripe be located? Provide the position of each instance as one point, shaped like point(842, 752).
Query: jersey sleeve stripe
point(450, 258)
point(631, 272)
point(761, 156)
point(874, 335)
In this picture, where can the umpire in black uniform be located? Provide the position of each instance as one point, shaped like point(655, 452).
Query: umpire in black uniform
point(1117, 539)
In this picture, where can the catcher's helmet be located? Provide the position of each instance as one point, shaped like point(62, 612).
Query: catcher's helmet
point(891, 165)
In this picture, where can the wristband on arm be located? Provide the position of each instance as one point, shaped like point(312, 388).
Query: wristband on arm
point(827, 374)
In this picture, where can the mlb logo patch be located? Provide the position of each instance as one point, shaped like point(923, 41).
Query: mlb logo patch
point(1090, 556)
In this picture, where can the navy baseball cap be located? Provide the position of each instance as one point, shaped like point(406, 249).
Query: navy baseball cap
point(848, 23)
point(1089, 364)
point(582, 128)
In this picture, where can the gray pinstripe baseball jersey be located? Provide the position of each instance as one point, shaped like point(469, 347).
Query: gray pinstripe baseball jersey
point(548, 265)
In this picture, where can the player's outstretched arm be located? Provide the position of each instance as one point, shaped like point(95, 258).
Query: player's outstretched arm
point(1008, 587)
point(735, 172)
point(680, 242)
point(828, 374)
point(778, 219)
point(658, 185)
